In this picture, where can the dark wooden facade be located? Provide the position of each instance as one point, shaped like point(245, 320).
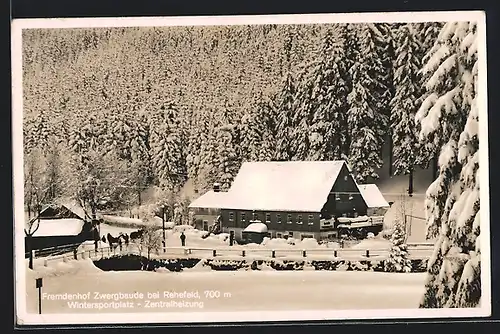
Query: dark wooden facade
point(275, 220)
point(344, 199)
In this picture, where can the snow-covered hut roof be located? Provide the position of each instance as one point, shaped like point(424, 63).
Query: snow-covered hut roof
point(256, 228)
point(210, 200)
point(59, 211)
point(372, 196)
point(59, 227)
point(301, 186)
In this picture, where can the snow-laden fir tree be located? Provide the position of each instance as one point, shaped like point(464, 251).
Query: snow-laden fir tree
point(385, 49)
point(448, 121)
point(284, 110)
point(398, 260)
point(364, 120)
point(376, 53)
point(426, 36)
point(37, 131)
point(228, 153)
point(405, 102)
point(197, 128)
point(227, 157)
point(207, 171)
point(166, 142)
point(87, 132)
point(321, 104)
point(256, 131)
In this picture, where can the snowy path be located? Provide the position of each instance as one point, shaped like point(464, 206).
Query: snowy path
point(239, 291)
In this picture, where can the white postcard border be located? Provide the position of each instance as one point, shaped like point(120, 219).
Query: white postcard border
point(207, 317)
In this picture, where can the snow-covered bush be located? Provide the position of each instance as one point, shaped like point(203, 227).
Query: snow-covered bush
point(398, 257)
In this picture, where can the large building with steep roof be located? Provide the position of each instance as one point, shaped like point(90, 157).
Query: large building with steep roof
point(296, 199)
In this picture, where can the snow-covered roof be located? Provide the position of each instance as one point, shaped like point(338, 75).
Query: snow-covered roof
point(75, 208)
point(56, 227)
point(210, 200)
point(301, 186)
point(256, 227)
point(72, 208)
point(372, 196)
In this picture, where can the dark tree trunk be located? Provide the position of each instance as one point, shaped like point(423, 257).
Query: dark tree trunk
point(95, 226)
point(435, 168)
point(30, 250)
point(139, 197)
point(391, 147)
point(410, 183)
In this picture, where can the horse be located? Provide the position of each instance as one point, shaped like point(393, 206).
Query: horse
point(137, 234)
point(114, 242)
point(125, 238)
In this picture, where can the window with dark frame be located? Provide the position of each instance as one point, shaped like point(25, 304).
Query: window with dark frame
point(278, 218)
point(231, 216)
point(299, 219)
point(289, 218)
point(268, 217)
point(242, 216)
point(310, 220)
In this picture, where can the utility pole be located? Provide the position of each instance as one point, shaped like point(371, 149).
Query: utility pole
point(164, 242)
point(163, 220)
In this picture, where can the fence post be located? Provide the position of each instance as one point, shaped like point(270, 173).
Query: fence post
point(215, 252)
point(303, 253)
point(273, 253)
point(75, 254)
point(335, 253)
point(243, 253)
point(367, 253)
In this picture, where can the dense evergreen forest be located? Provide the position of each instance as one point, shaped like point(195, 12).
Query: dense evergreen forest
point(171, 104)
point(111, 112)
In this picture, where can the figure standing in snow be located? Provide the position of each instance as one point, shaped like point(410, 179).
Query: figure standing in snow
point(183, 239)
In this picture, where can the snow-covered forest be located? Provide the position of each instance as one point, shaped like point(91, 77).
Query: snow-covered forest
point(111, 112)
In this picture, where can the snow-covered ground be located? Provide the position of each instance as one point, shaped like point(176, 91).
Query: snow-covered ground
point(265, 290)
point(415, 206)
point(284, 249)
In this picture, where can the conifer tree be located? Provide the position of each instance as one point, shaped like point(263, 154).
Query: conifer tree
point(427, 35)
point(405, 102)
point(166, 147)
point(284, 110)
point(320, 104)
point(448, 119)
point(376, 53)
point(398, 260)
point(365, 121)
point(256, 130)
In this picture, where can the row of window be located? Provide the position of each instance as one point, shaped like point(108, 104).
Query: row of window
point(310, 218)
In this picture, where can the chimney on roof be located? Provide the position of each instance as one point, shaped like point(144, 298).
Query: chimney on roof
point(216, 187)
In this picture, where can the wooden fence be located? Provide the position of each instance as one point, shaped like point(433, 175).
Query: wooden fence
point(415, 251)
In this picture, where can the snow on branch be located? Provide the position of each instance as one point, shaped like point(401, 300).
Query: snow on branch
point(446, 67)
